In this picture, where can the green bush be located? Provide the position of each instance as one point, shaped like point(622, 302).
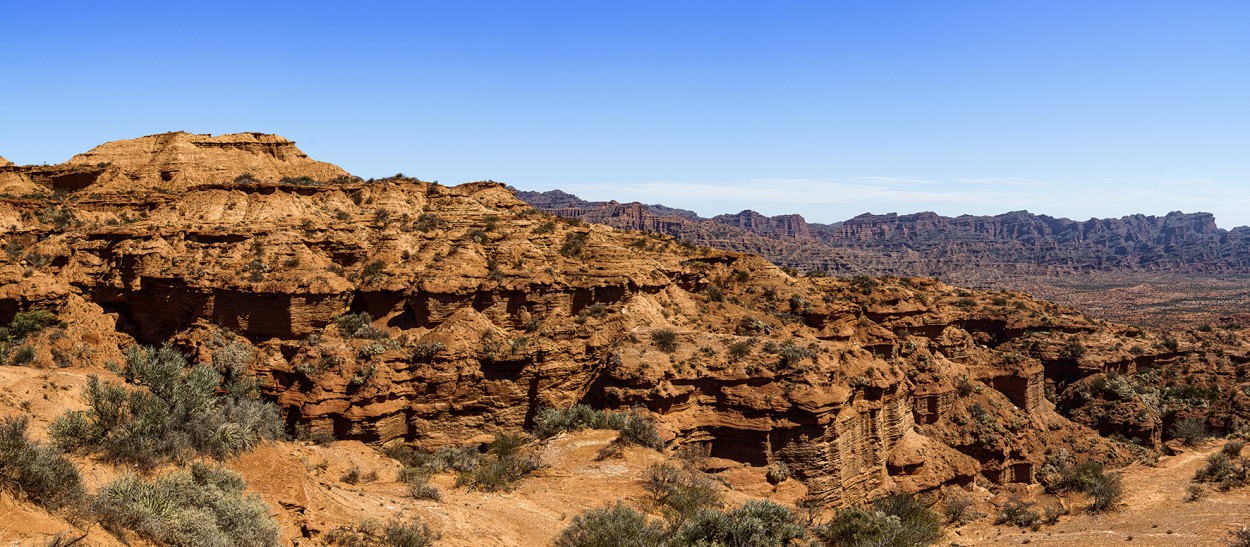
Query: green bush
point(504, 464)
point(615, 526)
point(895, 520)
point(665, 339)
point(38, 472)
point(757, 523)
point(1020, 513)
point(180, 413)
point(407, 534)
point(202, 505)
point(681, 491)
point(635, 428)
point(574, 244)
point(359, 325)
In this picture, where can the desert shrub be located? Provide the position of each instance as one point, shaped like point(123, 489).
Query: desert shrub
point(792, 354)
point(1226, 471)
point(1233, 448)
point(372, 272)
point(614, 526)
point(1191, 431)
point(574, 244)
point(359, 325)
point(1239, 537)
point(757, 523)
point(427, 222)
point(1195, 492)
point(740, 348)
point(26, 323)
point(959, 510)
point(407, 534)
point(545, 228)
point(179, 414)
point(1072, 350)
point(202, 505)
point(683, 492)
point(1020, 513)
point(777, 473)
point(35, 471)
point(895, 520)
point(1091, 478)
point(504, 463)
point(459, 459)
point(862, 283)
point(665, 340)
point(425, 351)
point(635, 428)
point(421, 489)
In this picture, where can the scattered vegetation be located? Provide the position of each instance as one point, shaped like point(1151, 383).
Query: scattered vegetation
point(1191, 431)
point(665, 340)
point(179, 415)
point(574, 244)
point(203, 505)
point(35, 471)
point(359, 325)
point(505, 463)
point(613, 526)
point(635, 428)
point(893, 520)
point(681, 491)
point(1227, 468)
point(23, 325)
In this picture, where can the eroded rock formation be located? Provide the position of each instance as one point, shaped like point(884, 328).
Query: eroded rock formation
point(481, 309)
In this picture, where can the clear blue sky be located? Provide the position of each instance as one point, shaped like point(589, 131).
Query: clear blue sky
point(1069, 108)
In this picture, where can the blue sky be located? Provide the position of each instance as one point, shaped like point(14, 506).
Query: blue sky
point(831, 109)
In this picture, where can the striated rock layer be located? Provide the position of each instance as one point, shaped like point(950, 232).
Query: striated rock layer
point(481, 310)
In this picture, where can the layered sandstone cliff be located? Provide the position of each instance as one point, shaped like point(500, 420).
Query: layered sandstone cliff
point(481, 310)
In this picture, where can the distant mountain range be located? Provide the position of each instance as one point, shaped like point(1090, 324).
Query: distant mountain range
point(968, 248)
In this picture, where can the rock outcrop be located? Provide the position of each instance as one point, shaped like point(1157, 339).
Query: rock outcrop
point(402, 309)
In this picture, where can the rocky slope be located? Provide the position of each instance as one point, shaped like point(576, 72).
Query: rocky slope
point(481, 310)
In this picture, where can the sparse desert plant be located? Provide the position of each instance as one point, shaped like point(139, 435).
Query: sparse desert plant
point(777, 473)
point(1195, 492)
point(178, 415)
point(359, 325)
point(1239, 537)
point(505, 463)
point(959, 510)
point(1191, 431)
point(613, 526)
point(425, 351)
point(665, 340)
point(202, 505)
point(757, 523)
point(683, 492)
point(1020, 513)
point(895, 520)
point(574, 244)
point(37, 472)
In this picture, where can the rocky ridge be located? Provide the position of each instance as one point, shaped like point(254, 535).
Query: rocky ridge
point(930, 244)
point(472, 310)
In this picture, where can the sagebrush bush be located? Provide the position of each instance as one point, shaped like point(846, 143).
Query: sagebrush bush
point(1062, 474)
point(359, 325)
point(202, 505)
point(895, 520)
point(758, 523)
point(1020, 513)
point(505, 463)
point(683, 492)
point(179, 415)
point(1191, 431)
point(37, 472)
point(635, 428)
point(1224, 470)
point(614, 526)
point(665, 340)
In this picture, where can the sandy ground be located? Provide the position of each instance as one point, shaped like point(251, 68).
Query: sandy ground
point(1153, 513)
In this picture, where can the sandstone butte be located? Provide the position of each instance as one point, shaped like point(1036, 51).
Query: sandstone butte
point(860, 386)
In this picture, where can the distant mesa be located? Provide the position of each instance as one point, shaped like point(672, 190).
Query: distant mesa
point(173, 162)
point(962, 248)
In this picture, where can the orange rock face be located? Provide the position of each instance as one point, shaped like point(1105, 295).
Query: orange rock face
point(481, 310)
